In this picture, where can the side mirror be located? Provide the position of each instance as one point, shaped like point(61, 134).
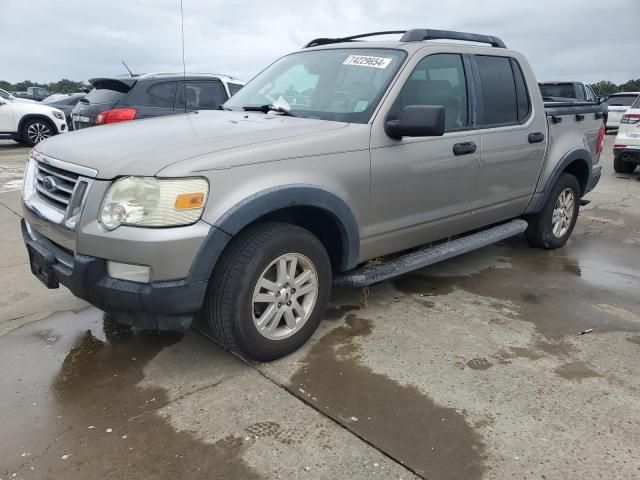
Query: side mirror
point(602, 99)
point(417, 121)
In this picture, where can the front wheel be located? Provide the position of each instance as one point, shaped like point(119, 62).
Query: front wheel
point(552, 227)
point(36, 130)
point(269, 291)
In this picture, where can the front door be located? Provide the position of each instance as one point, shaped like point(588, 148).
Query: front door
point(421, 190)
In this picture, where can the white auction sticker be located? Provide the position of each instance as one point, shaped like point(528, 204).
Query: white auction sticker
point(365, 61)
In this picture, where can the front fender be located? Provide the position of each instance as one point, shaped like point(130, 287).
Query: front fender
point(262, 203)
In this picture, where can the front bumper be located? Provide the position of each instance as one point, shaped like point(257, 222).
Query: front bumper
point(164, 305)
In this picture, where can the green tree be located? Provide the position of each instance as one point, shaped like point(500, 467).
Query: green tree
point(604, 88)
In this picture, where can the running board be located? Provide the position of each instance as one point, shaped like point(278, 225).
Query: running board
point(377, 272)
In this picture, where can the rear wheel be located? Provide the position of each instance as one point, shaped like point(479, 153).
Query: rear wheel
point(552, 227)
point(269, 291)
point(36, 130)
point(622, 166)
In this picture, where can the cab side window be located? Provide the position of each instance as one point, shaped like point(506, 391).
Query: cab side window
point(438, 80)
point(502, 94)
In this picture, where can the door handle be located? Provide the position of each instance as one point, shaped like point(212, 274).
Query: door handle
point(536, 137)
point(464, 148)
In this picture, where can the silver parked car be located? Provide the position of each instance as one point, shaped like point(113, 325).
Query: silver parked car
point(336, 154)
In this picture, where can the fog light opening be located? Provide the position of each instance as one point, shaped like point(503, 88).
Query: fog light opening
point(130, 272)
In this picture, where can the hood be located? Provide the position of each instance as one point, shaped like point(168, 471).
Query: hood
point(144, 147)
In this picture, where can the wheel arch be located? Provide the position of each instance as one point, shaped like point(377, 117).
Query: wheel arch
point(318, 210)
point(577, 162)
point(36, 116)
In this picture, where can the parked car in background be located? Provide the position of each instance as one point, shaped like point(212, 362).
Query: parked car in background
point(29, 122)
point(119, 99)
point(64, 102)
point(332, 156)
point(626, 150)
point(618, 104)
point(33, 93)
point(7, 96)
point(567, 92)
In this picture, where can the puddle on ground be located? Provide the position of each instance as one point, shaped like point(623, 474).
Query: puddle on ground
point(72, 408)
point(576, 371)
point(549, 288)
point(400, 420)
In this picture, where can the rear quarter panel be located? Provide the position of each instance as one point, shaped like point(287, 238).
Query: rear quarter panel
point(565, 137)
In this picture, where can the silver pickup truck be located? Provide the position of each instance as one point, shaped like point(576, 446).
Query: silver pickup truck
point(408, 151)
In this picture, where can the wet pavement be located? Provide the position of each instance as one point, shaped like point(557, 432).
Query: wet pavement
point(470, 369)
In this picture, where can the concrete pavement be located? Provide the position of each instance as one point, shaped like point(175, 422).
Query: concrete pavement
point(466, 370)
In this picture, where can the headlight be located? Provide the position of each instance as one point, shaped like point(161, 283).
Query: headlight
point(153, 202)
point(59, 115)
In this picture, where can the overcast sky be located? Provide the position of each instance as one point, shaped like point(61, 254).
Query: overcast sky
point(45, 40)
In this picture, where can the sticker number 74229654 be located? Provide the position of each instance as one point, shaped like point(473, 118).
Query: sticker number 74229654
point(366, 61)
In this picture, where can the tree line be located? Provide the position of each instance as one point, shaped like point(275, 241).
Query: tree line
point(63, 86)
point(602, 88)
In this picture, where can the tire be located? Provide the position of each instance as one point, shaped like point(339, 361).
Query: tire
point(234, 305)
point(621, 166)
point(35, 130)
point(541, 232)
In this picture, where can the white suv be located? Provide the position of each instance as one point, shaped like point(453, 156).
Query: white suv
point(29, 123)
point(618, 104)
point(626, 151)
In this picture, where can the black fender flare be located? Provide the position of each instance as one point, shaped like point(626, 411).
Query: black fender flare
point(259, 204)
point(579, 154)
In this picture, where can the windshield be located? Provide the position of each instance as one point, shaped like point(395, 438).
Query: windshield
point(557, 90)
point(5, 94)
point(344, 85)
point(621, 100)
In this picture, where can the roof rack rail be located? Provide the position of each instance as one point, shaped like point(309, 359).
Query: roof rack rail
point(419, 35)
point(325, 41)
point(415, 35)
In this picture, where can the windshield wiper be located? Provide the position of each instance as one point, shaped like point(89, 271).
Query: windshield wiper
point(222, 107)
point(267, 108)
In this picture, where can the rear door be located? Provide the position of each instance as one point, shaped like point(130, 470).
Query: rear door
point(106, 94)
point(512, 137)
point(200, 95)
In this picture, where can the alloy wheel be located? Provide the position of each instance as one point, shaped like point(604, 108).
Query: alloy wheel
point(285, 296)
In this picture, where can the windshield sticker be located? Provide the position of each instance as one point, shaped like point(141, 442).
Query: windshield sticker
point(361, 106)
point(364, 61)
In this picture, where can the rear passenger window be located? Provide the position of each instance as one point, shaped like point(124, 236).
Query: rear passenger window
point(522, 94)
point(497, 91)
point(201, 95)
point(161, 95)
point(437, 80)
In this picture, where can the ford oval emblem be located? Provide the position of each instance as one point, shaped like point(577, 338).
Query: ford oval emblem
point(49, 183)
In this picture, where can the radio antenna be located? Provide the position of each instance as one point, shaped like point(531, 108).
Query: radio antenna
point(128, 69)
point(184, 65)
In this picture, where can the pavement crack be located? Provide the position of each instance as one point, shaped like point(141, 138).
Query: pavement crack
point(292, 393)
point(11, 209)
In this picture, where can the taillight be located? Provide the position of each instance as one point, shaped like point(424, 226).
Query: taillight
point(630, 118)
point(116, 115)
point(600, 141)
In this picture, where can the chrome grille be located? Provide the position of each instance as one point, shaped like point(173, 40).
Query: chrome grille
point(55, 185)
